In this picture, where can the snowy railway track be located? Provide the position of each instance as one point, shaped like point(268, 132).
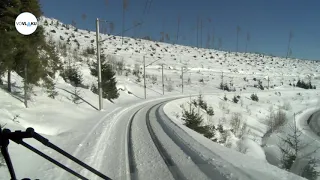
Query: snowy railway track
point(174, 162)
point(172, 166)
point(138, 142)
point(131, 163)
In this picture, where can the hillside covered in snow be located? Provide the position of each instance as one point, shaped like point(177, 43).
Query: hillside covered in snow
point(170, 70)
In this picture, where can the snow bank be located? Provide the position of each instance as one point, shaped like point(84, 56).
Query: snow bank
point(252, 149)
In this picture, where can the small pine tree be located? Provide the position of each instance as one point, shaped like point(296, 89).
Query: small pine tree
point(109, 88)
point(309, 172)
point(50, 88)
point(189, 81)
point(220, 129)
point(207, 131)
point(94, 89)
point(287, 160)
point(192, 119)
point(195, 103)
point(73, 75)
point(90, 50)
point(109, 85)
point(254, 97)
point(299, 83)
point(260, 85)
point(75, 97)
point(210, 111)
point(202, 103)
point(225, 98)
point(221, 85)
point(226, 87)
point(291, 146)
point(138, 78)
point(235, 99)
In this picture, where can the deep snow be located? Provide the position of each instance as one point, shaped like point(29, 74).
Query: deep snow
point(78, 129)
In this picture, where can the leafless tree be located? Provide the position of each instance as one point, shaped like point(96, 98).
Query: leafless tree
point(73, 23)
point(290, 38)
point(208, 36)
point(208, 40)
point(290, 52)
point(167, 37)
point(111, 27)
point(248, 39)
point(162, 37)
point(275, 119)
point(163, 30)
point(212, 39)
point(201, 26)
point(178, 30)
point(198, 32)
point(238, 31)
point(124, 8)
point(135, 24)
point(220, 43)
point(84, 16)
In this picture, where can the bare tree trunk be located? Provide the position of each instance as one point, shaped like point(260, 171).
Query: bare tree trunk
point(198, 32)
point(237, 39)
point(201, 33)
point(178, 30)
point(9, 80)
point(163, 33)
point(246, 46)
point(123, 13)
point(290, 37)
point(248, 39)
point(26, 85)
point(288, 48)
point(238, 30)
point(212, 43)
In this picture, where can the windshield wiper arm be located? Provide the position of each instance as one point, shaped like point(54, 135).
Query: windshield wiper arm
point(6, 135)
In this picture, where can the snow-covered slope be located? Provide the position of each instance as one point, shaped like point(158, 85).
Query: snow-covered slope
point(64, 122)
point(206, 64)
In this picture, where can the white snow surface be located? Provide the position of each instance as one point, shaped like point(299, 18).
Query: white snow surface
point(93, 136)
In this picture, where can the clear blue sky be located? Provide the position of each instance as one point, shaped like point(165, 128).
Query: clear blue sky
point(268, 21)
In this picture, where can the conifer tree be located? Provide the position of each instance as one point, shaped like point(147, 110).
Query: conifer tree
point(109, 88)
point(21, 53)
point(9, 10)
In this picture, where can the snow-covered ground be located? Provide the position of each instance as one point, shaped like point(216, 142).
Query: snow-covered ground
point(255, 115)
point(68, 125)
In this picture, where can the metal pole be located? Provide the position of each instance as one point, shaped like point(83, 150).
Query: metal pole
point(26, 85)
point(162, 81)
point(182, 79)
point(99, 67)
point(144, 77)
point(201, 33)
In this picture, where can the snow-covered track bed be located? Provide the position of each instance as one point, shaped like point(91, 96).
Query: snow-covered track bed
point(154, 154)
